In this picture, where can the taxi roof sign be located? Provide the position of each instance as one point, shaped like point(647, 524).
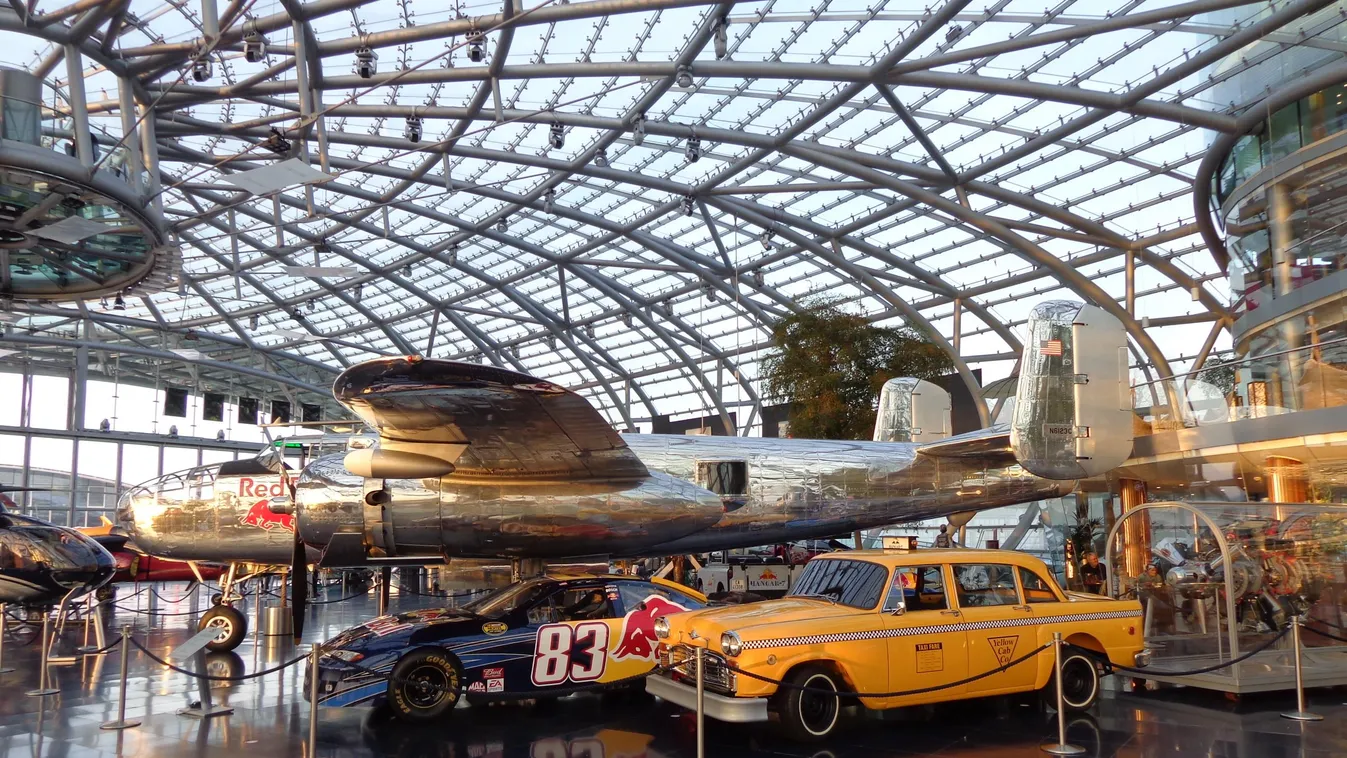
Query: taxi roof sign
point(903, 542)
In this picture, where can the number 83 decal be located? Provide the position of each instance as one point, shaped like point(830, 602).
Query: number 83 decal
point(578, 653)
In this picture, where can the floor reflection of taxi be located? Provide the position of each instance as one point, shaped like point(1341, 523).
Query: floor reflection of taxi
point(545, 636)
point(888, 622)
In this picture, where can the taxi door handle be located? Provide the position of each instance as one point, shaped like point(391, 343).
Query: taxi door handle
point(949, 613)
point(1025, 608)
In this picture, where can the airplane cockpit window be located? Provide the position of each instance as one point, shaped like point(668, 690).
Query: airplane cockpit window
point(170, 484)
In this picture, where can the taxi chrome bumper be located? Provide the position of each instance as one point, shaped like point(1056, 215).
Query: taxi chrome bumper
point(1143, 658)
point(736, 710)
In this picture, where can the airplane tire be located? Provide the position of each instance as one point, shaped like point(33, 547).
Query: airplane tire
point(1080, 684)
point(810, 716)
point(231, 622)
point(426, 685)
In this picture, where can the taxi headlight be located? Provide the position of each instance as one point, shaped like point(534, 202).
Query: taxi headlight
point(731, 644)
point(662, 628)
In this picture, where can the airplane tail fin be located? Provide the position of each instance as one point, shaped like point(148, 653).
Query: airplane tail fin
point(1073, 405)
point(912, 410)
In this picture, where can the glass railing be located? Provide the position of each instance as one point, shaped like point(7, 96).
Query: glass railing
point(57, 134)
point(1307, 378)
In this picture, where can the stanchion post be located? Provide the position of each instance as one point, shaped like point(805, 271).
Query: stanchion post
point(1300, 713)
point(122, 722)
point(701, 703)
point(313, 699)
point(1061, 746)
point(42, 689)
point(4, 620)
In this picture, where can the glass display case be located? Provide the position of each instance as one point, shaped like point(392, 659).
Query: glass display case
point(1219, 579)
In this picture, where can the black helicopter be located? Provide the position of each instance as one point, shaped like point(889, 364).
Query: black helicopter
point(42, 564)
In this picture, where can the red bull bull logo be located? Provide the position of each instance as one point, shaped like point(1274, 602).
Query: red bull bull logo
point(637, 638)
point(261, 516)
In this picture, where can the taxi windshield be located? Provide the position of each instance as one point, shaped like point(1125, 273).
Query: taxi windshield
point(508, 600)
point(857, 584)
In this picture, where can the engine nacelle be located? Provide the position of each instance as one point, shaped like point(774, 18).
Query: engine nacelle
point(382, 463)
point(1073, 406)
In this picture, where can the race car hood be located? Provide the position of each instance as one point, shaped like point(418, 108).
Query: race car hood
point(744, 619)
point(401, 628)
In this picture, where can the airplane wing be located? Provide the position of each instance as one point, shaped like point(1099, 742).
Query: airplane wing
point(990, 444)
point(485, 421)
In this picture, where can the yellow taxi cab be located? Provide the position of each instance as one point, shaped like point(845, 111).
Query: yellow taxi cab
point(878, 622)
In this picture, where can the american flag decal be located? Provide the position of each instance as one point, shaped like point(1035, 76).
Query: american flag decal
point(1051, 348)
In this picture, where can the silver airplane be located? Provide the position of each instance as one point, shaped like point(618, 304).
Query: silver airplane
point(476, 462)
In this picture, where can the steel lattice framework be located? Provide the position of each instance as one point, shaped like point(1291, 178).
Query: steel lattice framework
point(624, 195)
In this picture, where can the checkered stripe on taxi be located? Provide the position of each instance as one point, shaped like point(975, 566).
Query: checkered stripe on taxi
point(964, 626)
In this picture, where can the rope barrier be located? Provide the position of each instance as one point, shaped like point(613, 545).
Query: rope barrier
point(338, 600)
point(115, 642)
point(1101, 657)
point(213, 678)
point(156, 613)
point(900, 693)
point(1322, 633)
point(446, 595)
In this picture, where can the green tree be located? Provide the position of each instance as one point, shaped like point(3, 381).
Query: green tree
point(830, 365)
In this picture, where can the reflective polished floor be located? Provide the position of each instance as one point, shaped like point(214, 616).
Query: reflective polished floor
point(270, 717)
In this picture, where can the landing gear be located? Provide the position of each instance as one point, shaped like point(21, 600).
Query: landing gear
point(231, 623)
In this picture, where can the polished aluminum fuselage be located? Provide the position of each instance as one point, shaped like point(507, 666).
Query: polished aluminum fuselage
point(199, 519)
point(797, 489)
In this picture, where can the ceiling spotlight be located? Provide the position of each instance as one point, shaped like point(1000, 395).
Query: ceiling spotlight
point(413, 130)
point(693, 149)
point(557, 137)
point(548, 197)
point(359, 292)
point(626, 320)
point(709, 291)
point(366, 62)
point(452, 255)
point(502, 226)
point(722, 39)
point(683, 77)
point(252, 321)
point(589, 331)
point(688, 206)
point(766, 240)
point(601, 158)
point(119, 302)
point(104, 426)
point(202, 70)
point(952, 33)
point(755, 278)
point(254, 44)
point(313, 305)
point(407, 271)
point(551, 343)
point(277, 143)
point(220, 436)
point(173, 430)
point(476, 46)
point(638, 130)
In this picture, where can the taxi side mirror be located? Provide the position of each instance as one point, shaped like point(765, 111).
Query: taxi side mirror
point(899, 609)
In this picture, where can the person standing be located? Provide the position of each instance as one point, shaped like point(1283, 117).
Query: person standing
point(942, 539)
point(1093, 573)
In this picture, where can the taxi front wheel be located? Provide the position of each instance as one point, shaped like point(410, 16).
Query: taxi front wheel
point(810, 715)
point(1080, 684)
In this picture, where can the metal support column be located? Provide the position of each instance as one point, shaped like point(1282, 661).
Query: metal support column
point(1287, 480)
point(958, 325)
point(1136, 530)
point(1281, 236)
point(135, 163)
point(79, 106)
point(149, 151)
point(1131, 276)
point(210, 20)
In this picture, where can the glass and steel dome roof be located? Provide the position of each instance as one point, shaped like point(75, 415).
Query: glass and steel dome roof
point(623, 195)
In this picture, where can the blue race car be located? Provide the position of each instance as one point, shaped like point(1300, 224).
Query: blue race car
point(546, 636)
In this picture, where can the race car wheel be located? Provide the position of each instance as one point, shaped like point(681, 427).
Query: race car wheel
point(810, 715)
point(1080, 684)
point(233, 626)
point(425, 685)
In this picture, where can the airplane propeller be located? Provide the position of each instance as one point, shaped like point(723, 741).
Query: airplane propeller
point(299, 587)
